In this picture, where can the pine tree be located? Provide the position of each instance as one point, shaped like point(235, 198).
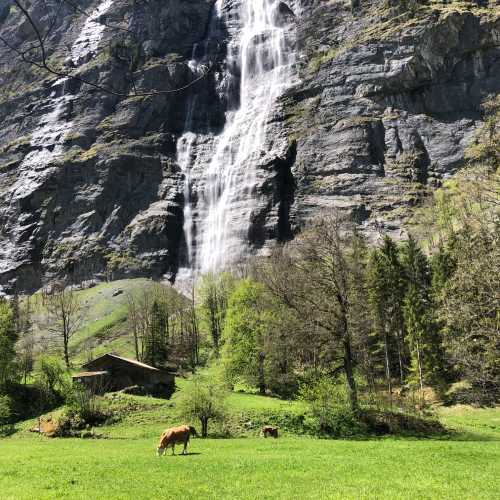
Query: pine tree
point(421, 329)
point(8, 339)
point(156, 342)
point(386, 291)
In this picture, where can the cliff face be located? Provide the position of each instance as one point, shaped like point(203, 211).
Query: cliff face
point(379, 110)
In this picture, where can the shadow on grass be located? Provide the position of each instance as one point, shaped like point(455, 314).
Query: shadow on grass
point(451, 435)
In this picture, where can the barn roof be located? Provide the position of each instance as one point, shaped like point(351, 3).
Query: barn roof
point(127, 360)
point(89, 374)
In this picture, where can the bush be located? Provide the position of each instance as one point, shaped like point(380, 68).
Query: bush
point(329, 407)
point(52, 375)
point(84, 408)
point(5, 415)
point(204, 401)
point(390, 422)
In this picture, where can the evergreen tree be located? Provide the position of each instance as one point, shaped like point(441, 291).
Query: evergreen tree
point(421, 330)
point(156, 352)
point(8, 339)
point(386, 287)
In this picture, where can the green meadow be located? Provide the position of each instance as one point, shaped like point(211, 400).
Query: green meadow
point(464, 464)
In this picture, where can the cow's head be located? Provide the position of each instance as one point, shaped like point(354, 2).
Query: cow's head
point(192, 431)
point(160, 451)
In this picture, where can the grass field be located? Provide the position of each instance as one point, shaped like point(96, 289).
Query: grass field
point(464, 465)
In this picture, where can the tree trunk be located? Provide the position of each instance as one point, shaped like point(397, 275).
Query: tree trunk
point(400, 358)
point(420, 375)
point(262, 383)
point(387, 366)
point(348, 369)
point(204, 427)
point(66, 351)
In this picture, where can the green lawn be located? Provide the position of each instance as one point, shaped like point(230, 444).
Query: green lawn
point(467, 465)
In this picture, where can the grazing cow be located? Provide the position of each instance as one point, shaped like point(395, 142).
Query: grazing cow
point(175, 435)
point(269, 430)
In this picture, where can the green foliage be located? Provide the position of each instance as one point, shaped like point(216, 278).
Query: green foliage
point(84, 408)
point(156, 352)
point(8, 338)
point(329, 406)
point(244, 335)
point(5, 410)
point(203, 401)
point(485, 147)
point(51, 375)
point(213, 292)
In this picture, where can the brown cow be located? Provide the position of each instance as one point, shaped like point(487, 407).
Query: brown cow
point(269, 430)
point(175, 435)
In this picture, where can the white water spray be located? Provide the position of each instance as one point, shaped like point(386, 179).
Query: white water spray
point(263, 57)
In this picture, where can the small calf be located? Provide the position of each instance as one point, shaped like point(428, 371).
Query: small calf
point(269, 430)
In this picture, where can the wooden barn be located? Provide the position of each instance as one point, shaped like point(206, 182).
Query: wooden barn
point(110, 373)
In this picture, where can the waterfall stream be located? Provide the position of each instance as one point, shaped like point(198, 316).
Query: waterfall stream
point(260, 56)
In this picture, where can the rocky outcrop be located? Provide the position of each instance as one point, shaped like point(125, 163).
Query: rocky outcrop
point(384, 104)
point(387, 104)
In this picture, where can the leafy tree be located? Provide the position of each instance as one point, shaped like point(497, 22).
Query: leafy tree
point(8, 338)
point(5, 414)
point(245, 334)
point(204, 401)
point(51, 375)
point(214, 291)
point(314, 277)
point(470, 312)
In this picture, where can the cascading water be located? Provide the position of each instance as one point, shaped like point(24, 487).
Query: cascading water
point(261, 56)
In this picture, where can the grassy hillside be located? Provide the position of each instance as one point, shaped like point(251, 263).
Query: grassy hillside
point(463, 465)
point(104, 325)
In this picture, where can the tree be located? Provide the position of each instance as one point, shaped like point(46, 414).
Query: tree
point(422, 333)
point(26, 343)
point(315, 279)
point(65, 314)
point(213, 292)
point(470, 313)
point(386, 288)
point(204, 401)
point(245, 334)
point(8, 338)
point(156, 352)
point(51, 375)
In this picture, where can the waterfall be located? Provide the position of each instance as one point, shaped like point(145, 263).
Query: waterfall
point(261, 58)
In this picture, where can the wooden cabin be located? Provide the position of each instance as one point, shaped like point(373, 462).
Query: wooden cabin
point(109, 373)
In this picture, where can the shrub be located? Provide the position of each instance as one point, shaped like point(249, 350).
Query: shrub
point(84, 408)
point(329, 407)
point(204, 401)
point(51, 374)
point(5, 415)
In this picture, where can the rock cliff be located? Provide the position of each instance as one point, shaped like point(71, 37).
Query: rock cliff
point(383, 100)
